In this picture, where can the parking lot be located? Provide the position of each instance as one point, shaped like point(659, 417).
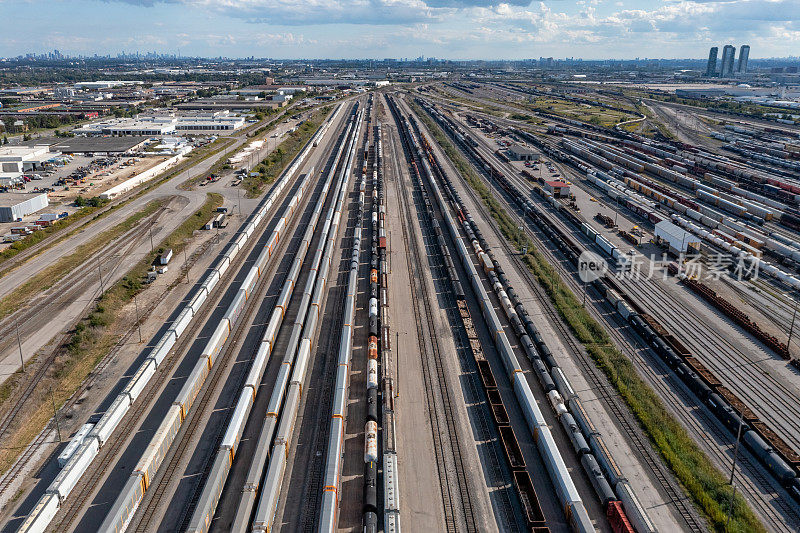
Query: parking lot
point(79, 175)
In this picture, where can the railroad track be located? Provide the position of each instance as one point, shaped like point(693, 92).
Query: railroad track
point(321, 395)
point(721, 356)
point(457, 500)
point(66, 290)
point(472, 386)
point(73, 285)
point(597, 380)
point(677, 393)
point(709, 340)
point(154, 497)
point(88, 485)
point(497, 476)
point(763, 496)
point(701, 430)
point(315, 462)
point(19, 466)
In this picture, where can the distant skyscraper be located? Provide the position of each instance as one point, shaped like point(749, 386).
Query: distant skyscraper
point(728, 55)
point(711, 68)
point(744, 55)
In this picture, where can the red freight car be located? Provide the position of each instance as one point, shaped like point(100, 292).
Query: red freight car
point(617, 519)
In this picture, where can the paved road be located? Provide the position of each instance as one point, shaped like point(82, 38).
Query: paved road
point(37, 335)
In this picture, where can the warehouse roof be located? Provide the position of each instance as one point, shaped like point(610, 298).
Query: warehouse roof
point(99, 144)
point(519, 149)
point(674, 231)
point(8, 199)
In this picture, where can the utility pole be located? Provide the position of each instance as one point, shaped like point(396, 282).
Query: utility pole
point(19, 344)
point(100, 275)
point(239, 199)
point(791, 326)
point(733, 468)
point(138, 323)
point(55, 413)
point(151, 238)
point(584, 294)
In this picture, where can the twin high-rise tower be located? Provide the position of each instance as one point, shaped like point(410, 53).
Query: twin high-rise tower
point(727, 67)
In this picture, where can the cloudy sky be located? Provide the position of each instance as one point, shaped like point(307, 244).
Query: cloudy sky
point(456, 29)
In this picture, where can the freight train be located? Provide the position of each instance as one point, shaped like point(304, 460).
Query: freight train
point(613, 490)
point(572, 504)
point(123, 509)
point(780, 461)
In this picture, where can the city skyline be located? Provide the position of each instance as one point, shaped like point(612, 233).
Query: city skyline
point(451, 29)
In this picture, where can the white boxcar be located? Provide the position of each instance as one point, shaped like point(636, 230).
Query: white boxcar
point(533, 415)
point(126, 504)
point(192, 386)
point(159, 445)
point(111, 419)
point(74, 443)
point(140, 380)
point(268, 502)
point(182, 321)
point(164, 346)
point(72, 472)
point(41, 516)
point(237, 422)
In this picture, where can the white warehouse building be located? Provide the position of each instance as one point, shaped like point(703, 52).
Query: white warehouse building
point(14, 206)
point(159, 125)
point(15, 160)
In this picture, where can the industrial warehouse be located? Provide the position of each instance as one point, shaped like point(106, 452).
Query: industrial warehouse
point(14, 207)
point(158, 124)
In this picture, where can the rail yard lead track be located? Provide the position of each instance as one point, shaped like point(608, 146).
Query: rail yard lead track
point(459, 512)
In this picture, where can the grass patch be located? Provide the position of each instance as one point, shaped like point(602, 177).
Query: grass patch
point(272, 166)
point(705, 484)
point(50, 275)
point(91, 340)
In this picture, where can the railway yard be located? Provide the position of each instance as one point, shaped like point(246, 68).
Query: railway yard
point(461, 306)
